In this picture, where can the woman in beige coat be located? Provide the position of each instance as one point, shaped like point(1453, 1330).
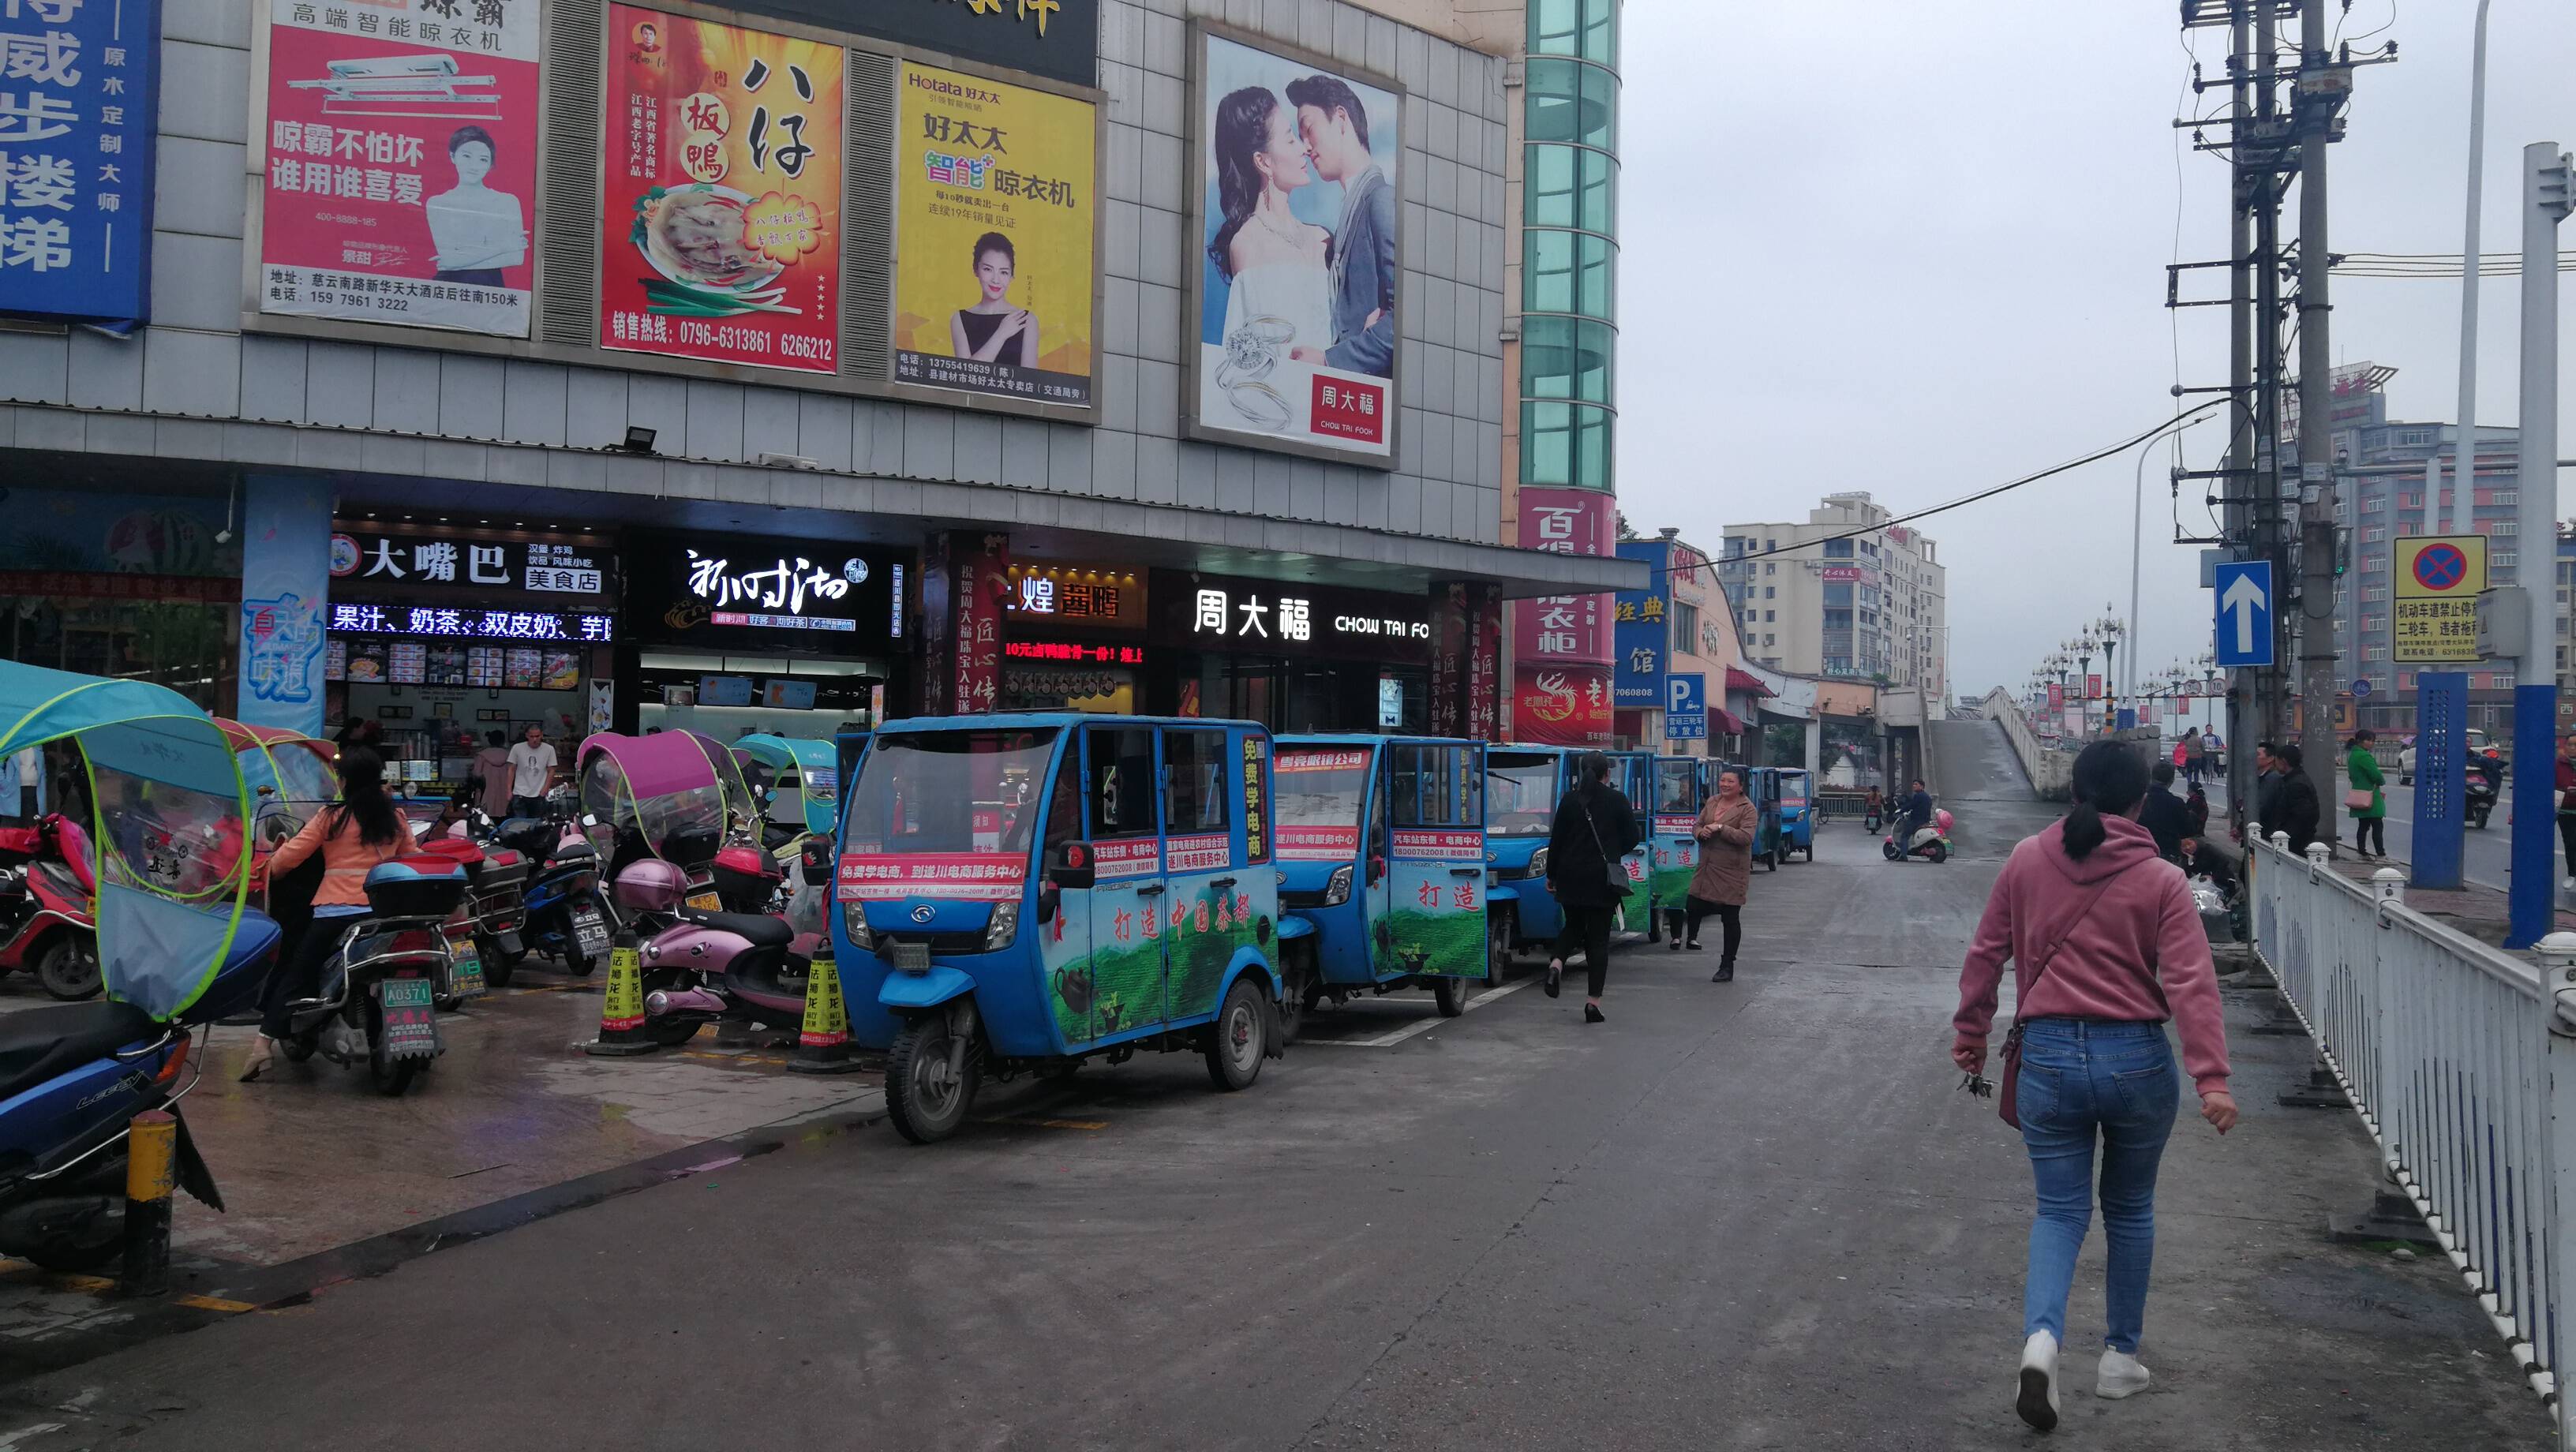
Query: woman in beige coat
point(1725, 832)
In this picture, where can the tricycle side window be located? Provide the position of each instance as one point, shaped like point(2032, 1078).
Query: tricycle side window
point(1194, 781)
point(1122, 781)
point(1436, 786)
point(1677, 787)
point(1064, 803)
point(1520, 793)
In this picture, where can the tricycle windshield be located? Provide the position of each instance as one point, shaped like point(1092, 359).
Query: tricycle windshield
point(1321, 786)
point(950, 791)
point(174, 837)
point(1676, 787)
point(1793, 788)
point(1520, 793)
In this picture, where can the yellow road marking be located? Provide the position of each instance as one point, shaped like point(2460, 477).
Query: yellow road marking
point(218, 1303)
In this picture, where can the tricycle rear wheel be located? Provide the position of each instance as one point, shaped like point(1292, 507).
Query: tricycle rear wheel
point(1498, 946)
point(930, 1080)
point(1237, 1042)
point(1450, 994)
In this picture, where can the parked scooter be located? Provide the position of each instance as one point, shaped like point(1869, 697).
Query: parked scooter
point(567, 915)
point(48, 906)
point(1930, 842)
point(485, 936)
point(2481, 786)
point(380, 990)
point(715, 965)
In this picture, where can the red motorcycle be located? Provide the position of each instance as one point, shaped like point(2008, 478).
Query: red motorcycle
point(48, 907)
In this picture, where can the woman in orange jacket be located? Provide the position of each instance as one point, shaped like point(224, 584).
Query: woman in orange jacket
point(354, 835)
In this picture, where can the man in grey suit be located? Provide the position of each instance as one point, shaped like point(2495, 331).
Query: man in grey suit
point(1334, 123)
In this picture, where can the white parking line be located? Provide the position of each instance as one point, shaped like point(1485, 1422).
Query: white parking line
point(1409, 1030)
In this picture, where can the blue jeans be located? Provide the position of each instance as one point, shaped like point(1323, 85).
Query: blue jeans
point(2077, 1079)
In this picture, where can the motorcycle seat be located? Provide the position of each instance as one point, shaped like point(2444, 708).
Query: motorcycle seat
point(760, 929)
point(37, 1044)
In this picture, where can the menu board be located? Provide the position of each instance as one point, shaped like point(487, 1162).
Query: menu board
point(521, 671)
point(406, 662)
point(483, 665)
point(446, 665)
point(335, 659)
point(366, 661)
point(562, 671)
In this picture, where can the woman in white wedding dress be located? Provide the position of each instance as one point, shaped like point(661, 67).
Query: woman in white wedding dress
point(1275, 265)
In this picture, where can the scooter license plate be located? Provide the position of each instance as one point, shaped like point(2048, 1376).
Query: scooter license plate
point(591, 930)
point(411, 1017)
point(465, 967)
point(706, 902)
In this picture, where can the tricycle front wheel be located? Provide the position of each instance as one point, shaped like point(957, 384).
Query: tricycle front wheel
point(1450, 995)
point(931, 1078)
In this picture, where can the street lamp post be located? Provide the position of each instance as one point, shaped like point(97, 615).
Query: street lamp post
point(2110, 629)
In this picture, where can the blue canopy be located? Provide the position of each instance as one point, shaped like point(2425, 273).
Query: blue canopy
point(165, 816)
point(818, 775)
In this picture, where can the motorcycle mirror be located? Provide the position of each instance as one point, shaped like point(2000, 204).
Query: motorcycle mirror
point(1071, 868)
point(1377, 869)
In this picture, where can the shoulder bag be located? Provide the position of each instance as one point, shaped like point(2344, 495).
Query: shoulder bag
point(2008, 1100)
point(1612, 872)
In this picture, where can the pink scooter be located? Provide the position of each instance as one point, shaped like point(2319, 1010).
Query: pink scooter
point(711, 965)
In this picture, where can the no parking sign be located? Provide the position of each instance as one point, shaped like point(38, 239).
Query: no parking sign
point(2439, 579)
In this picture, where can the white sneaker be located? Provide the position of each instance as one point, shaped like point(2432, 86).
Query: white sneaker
point(2122, 1375)
point(2038, 1400)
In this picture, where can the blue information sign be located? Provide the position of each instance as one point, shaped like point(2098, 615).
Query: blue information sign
point(1686, 707)
point(2244, 592)
point(1642, 632)
point(78, 108)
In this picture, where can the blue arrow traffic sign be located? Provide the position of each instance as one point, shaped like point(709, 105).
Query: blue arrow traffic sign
point(2244, 593)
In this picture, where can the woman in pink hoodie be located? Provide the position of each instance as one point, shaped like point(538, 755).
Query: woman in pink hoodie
point(2106, 945)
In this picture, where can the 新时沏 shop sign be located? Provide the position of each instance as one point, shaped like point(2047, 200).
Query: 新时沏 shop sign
point(774, 594)
point(400, 152)
point(721, 236)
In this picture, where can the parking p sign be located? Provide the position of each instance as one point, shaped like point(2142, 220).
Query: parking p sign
point(1686, 708)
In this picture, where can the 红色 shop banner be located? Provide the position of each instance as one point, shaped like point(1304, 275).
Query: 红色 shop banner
point(401, 160)
point(994, 198)
point(1561, 694)
point(723, 204)
point(1298, 230)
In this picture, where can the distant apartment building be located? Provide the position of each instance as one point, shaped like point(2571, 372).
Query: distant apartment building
point(2386, 494)
point(1845, 594)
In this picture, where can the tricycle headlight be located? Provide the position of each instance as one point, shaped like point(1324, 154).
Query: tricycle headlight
point(1004, 926)
point(854, 919)
point(1538, 863)
point(1338, 891)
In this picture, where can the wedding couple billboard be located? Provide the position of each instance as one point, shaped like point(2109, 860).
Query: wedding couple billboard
point(1297, 221)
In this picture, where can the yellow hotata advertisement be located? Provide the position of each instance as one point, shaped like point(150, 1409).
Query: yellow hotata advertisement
point(995, 190)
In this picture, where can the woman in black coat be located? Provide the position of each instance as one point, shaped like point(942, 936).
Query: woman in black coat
point(1594, 828)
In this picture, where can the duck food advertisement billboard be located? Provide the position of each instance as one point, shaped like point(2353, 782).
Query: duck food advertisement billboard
point(400, 154)
point(722, 235)
point(995, 191)
point(1297, 229)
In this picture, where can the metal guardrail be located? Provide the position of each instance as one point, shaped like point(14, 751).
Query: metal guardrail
point(2461, 1060)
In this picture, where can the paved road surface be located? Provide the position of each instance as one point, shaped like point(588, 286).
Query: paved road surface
point(1746, 1216)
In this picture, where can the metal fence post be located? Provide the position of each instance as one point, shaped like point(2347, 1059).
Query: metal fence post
point(2389, 885)
point(2317, 859)
point(2557, 954)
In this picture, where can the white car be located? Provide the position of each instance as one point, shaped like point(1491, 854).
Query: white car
point(2478, 742)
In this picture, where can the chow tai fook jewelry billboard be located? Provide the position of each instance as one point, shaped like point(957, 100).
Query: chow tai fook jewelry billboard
point(687, 216)
point(1295, 302)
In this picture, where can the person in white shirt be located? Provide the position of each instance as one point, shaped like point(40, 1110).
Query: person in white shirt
point(532, 774)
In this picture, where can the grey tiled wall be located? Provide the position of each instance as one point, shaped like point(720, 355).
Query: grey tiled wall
point(194, 362)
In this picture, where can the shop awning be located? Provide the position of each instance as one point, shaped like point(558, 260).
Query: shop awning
point(1745, 681)
point(1726, 721)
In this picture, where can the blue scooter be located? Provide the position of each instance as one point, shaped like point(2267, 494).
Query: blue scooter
point(568, 914)
point(72, 1078)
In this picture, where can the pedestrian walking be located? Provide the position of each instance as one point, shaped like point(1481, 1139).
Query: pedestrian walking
point(353, 835)
point(2567, 801)
point(2106, 947)
point(1593, 830)
point(1725, 831)
point(2196, 766)
point(2164, 815)
point(532, 773)
point(2365, 800)
point(492, 773)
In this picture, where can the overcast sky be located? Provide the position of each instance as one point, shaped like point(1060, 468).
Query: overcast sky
point(1920, 249)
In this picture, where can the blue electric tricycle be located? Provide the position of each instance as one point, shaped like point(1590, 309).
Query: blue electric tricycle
point(1382, 870)
point(1523, 784)
point(1021, 893)
point(1682, 785)
point(1797, 813)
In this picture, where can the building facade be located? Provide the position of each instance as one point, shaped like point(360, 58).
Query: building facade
point(1844, 594)
point(778, 365)
point(2386, 493)
point(1561, 345)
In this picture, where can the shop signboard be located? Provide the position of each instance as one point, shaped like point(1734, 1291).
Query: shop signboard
point(1074, 596)
point(995, 190)
point(400, 156)
point(582, 626)
point(1561, 693)
point(77, 121)
point(425, 565)
point(721, 222)
point(1058, 39)
point(1296, 225)
point(1212, 612)
point(1641, 630)
point(804, 596)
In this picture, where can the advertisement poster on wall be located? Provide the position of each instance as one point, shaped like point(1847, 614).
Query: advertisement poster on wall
point(1562, 680)
point(993, 277)
point(723, 206)
point(401, 161)
point(1297, 225)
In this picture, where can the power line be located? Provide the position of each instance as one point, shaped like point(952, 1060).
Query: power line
point(2435, 265)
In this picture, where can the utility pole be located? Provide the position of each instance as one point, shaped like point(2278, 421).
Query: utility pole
point(2244, 703)
point(2322, 88)
point(2533, 883)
